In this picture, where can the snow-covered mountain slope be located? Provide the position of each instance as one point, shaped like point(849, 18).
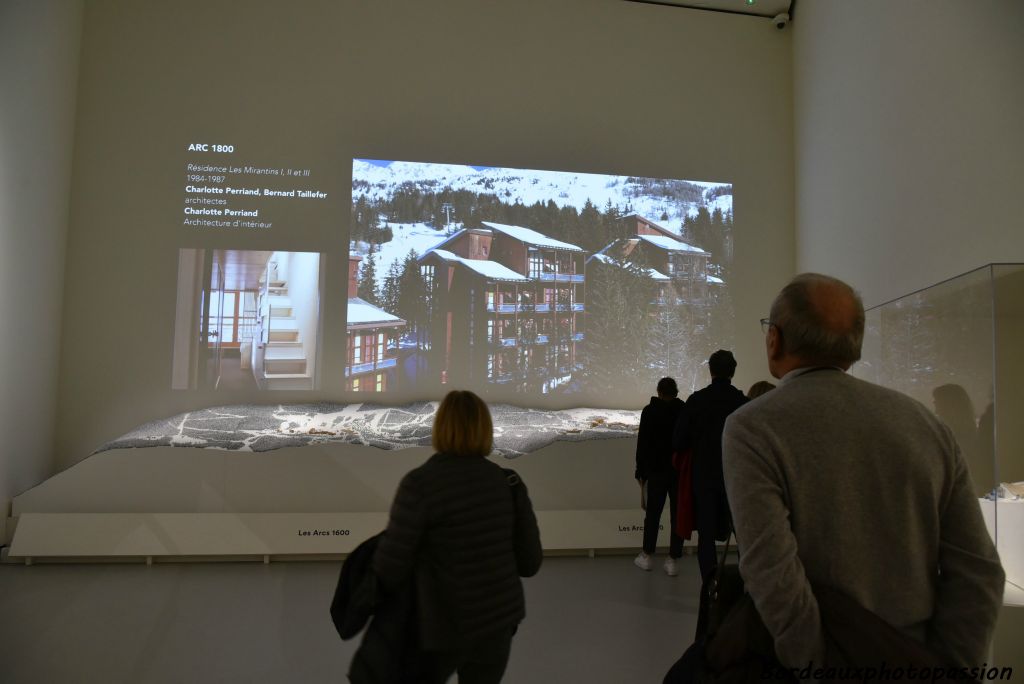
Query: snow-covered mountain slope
point(652, 198)
point(418, 237)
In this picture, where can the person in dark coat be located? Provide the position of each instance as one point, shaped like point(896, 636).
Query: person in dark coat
point(656, 473)
point(700, 430)
point(463, 531)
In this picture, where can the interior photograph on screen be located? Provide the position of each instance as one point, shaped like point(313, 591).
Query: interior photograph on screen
point(246, 320)
point(528, 282)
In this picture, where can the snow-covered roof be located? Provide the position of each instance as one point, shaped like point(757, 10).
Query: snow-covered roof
point(531, 237)
point(653, 224)
point(448, 239)
point(670, 244)
point(650, 272)
point(488, 269)
point(362, 312)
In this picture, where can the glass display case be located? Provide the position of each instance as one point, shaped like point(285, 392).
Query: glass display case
point(958, 347)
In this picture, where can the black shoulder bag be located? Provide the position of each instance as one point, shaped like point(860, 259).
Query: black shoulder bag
point(731, 644)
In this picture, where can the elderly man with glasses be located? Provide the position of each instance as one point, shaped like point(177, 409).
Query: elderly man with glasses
point(837, 482)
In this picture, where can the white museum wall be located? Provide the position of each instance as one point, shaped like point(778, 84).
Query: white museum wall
point(907, 140)
point(39, 51)
point(577, 85)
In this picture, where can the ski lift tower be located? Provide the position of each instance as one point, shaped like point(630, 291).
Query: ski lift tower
point(448, 210)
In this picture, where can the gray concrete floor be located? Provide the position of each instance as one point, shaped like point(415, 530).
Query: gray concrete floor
point(588, 620)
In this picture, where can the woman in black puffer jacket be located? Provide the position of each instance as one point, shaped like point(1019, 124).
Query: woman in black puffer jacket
point(463, 531)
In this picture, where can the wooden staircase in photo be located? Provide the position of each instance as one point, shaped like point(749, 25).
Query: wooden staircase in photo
point(284, 361)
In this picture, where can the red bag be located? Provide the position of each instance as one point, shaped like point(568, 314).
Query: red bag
point(685, 520)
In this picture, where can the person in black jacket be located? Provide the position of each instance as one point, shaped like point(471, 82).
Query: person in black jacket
point(700, 430)
point(656, 473)
point(462, 529)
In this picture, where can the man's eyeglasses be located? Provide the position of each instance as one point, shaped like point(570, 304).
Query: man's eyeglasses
point(766, 324)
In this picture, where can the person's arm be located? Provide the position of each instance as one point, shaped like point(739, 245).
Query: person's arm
point(529, 553)
point(971, 579)
point(643, 450)
point(771, 569)
point(395, 558)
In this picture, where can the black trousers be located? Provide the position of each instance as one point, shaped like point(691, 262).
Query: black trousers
point(711, 510)
point(659, 486)
point(483, 662)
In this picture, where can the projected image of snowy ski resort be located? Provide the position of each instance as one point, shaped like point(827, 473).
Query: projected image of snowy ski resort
point(371, 363)
point(520, 296)
point(515, 282)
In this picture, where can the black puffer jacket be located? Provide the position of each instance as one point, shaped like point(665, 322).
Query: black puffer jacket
point(465, 535)
point(654, 439)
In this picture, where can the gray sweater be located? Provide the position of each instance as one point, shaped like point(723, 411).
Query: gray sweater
point(848, 484)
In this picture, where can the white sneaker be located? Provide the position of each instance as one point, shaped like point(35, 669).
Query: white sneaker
point(670, 567)
point(643, 561)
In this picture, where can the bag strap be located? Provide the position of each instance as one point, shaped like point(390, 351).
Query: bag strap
point(725, 547)
point(720, 568)
point(512, 477)
point(514, 481)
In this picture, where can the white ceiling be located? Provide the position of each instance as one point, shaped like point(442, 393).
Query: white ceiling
point(760, 8)
point(242, 268)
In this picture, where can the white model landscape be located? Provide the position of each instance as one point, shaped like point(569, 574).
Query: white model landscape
point(517, 430)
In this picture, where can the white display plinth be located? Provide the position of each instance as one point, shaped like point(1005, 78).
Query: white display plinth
point(1009, 517)
point(163, 535)
point(165, 502)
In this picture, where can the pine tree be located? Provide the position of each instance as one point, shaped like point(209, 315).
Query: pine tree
point(389, 290)
point(368, 279)
point(716, 236)
point(725, 258)
point(615, 227)
point(667, 341)
point(529, 358)
point(565, 224)
point(411, 290)
point(591, 232)
point(371, 223)
point(618, 296)
point(698, 229)
point(361, 213)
